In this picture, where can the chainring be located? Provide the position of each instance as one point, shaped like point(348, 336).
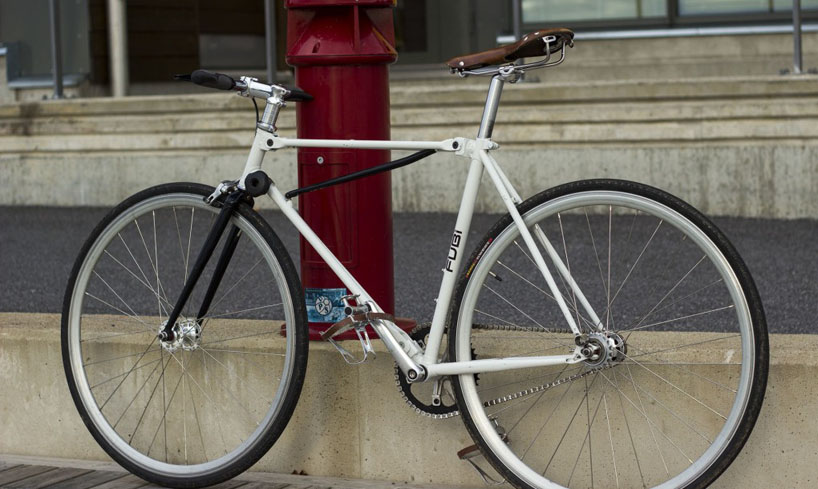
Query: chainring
point(412, 393)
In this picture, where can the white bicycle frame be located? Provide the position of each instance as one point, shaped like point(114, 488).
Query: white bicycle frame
point(419, 365)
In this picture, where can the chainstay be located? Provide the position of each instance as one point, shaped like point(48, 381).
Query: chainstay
point(541, 387)
point(520, 394)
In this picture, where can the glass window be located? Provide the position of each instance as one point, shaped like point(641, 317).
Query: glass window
point(584, 10)
point(699, 7)
point(786, 5)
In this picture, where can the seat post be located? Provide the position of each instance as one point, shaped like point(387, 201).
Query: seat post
point(490, 110)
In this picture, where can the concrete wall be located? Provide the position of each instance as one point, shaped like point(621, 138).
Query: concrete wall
point(730, 146)
point(351, 421)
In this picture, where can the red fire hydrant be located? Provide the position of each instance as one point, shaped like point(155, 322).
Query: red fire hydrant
point(340, 50)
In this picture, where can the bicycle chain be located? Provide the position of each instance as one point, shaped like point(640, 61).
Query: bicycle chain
point(517, 395)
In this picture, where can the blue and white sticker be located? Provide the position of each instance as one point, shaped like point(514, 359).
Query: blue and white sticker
point(325, 305)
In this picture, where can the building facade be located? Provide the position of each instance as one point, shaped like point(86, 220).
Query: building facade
point(176, 36)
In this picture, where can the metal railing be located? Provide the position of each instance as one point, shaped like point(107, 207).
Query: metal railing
point(796, 28)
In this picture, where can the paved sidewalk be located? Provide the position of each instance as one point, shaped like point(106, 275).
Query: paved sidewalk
point(37, 472)
point(38, 246)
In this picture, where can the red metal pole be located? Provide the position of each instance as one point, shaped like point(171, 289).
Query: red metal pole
point(340, 50)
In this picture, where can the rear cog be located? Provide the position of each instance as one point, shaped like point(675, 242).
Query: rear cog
point(420, 395)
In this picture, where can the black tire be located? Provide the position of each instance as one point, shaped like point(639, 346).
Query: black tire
point(749, 378)
point(237, 341)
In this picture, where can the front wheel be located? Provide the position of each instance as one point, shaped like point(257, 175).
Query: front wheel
point(682, 360)
point(202, 408)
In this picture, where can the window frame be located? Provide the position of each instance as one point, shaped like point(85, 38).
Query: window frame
point(675, 19)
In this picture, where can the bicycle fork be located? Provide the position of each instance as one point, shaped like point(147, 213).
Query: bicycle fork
point(214, 236)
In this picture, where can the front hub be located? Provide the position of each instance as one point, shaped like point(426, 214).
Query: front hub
point(186, 335)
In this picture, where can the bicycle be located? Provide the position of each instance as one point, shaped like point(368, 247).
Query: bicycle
point(603, 333)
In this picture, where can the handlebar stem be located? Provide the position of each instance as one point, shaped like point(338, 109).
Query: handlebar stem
point(274, 94)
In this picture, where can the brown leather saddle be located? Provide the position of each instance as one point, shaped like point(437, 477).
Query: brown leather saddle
point(530, 45)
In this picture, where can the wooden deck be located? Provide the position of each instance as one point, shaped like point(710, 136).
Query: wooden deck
point(18, 472)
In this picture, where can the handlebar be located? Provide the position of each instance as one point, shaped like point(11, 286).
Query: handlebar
point(210, 79)
point(246, 86)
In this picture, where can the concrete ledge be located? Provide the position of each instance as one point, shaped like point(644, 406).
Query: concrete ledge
point(762, 180)
point(340, 429)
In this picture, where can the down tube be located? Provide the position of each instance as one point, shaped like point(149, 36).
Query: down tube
point(340, 270)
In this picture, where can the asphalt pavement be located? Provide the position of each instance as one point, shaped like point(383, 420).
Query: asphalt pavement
point(38, 246)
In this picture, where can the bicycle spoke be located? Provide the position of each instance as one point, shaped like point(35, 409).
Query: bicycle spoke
point(128, 373)
point(677, 388)
point(658, 428)
point(94, 386)
point(567, 428)
point(630, 330)
point(159, 287)
point(238, 402)
point(610, 437)
point(198, 423)
point(547, 294)
point(652, 433)
point(163, 424)
point(587, 438)
point(133, 313)
point(153, 292)
point(568, 267)
point(241, 337)
point(688, 345)
point(596, 253)
point(670, 291)
point(147, 405)
point(633, 267)
point(528, 316)
point(548, 418)
point(265, 353)
point(112, 359)
point(681, 367)
point(628, 426)
point(233, 313)
point(236, 283)
point(148, 378)
point(608, 285)
point(115, 335)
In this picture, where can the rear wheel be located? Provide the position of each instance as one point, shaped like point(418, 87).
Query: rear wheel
point(202, 409)
point(683, 349)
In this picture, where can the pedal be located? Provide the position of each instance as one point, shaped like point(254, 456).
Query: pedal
point(359, 317)
point(471, 452)
point(366, 345)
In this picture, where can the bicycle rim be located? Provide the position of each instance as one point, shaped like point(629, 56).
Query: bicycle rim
point(183, 413)
point(663, 415)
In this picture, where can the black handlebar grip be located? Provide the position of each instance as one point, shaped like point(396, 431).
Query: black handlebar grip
point(297, 95)
point(210, 79)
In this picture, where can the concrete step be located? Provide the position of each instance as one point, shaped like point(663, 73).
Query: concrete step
point(732, 146)
point(802, 130)
point(774, 110)
point(714, 110)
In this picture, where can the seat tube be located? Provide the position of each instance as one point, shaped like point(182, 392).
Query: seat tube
point(461, 228)
point(490, 109)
